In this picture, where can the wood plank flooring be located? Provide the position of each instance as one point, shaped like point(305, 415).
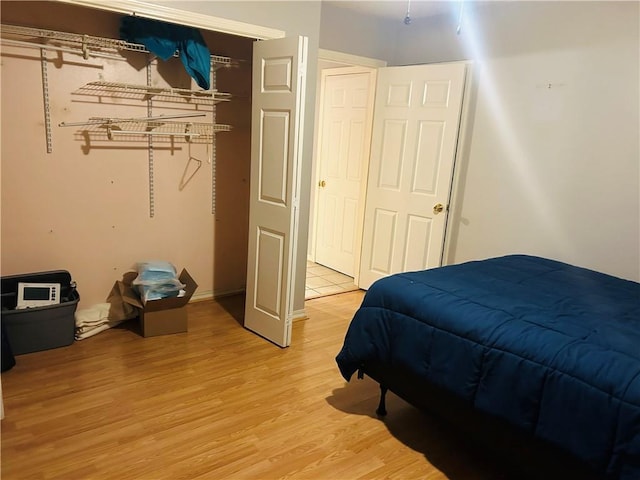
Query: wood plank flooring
point(218, 402)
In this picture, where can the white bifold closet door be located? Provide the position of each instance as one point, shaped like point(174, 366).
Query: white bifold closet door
point(279, 71)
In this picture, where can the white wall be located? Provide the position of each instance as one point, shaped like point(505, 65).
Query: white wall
point(551, 165)
point(348, 31)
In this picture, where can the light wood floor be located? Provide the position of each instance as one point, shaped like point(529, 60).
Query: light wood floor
point(217, 403)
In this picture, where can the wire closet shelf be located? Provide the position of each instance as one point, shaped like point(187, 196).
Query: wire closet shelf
point(128, 129)
point(144, 93)
point(132, 129)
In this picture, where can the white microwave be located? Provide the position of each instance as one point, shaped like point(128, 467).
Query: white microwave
point(32, 295)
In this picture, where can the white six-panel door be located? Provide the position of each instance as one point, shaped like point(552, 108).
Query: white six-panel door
point(279, 68)
point(415, 133)
point(345, 133)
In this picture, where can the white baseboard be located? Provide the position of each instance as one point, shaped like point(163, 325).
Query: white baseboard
point(299, 315)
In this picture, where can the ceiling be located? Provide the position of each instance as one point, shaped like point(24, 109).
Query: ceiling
point(397, 9)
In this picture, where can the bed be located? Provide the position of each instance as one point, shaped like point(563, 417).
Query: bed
point(548, 351)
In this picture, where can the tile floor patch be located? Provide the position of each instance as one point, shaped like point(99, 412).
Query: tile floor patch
point(322, 281)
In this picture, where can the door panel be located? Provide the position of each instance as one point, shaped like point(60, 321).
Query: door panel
point(415, 133)
point(270, 260)
point(425, 176)
point(382, 243)
point(394, 136)
point(276, 131)
point(417, 243)
point(273, 160)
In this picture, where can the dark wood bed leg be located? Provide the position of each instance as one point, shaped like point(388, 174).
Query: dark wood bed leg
point(381, 411)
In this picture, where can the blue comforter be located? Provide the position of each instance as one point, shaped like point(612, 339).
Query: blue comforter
point(552, 348)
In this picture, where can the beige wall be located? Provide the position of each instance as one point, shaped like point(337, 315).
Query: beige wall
point(85, 206)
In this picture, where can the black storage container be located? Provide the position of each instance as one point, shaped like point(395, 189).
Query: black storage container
point(39, 328)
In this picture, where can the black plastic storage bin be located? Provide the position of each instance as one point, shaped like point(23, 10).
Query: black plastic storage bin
point(39, 328)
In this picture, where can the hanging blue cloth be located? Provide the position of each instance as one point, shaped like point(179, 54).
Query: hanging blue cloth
point(164, 39)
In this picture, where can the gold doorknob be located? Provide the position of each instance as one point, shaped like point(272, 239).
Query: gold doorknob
point(322, 183)
point(438, 208)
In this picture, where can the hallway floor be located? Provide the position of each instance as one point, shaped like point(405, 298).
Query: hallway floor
point(322, 281)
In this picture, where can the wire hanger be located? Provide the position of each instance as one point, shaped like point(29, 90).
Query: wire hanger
point(186, 176)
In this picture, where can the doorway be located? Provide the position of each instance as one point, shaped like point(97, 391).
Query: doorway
point(346, 86)
point(413, 149)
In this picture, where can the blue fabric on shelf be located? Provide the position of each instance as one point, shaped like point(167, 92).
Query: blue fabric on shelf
point(164, 39)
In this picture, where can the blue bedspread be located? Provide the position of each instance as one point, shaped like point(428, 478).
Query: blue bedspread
point(552, 348)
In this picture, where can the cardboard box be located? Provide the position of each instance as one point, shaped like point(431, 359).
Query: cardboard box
point(164, 316)
point(168, 315)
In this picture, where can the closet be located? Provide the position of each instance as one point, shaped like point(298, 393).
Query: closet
point(113, 157)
